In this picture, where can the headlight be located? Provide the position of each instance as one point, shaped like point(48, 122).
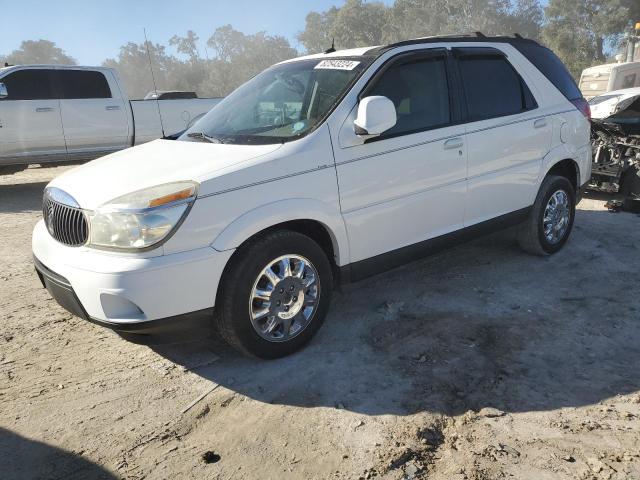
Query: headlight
point(141, 219)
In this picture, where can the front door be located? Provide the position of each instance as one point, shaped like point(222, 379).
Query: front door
point(409, 184)
point(30, 124)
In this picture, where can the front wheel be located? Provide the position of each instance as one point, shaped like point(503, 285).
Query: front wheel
point(550, 221)
point(274, 295)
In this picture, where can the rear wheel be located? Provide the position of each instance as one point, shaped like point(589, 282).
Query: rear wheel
point(274, 295)
point(550, 221)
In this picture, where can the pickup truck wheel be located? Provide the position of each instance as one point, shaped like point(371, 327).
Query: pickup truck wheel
point(549, 224)
point(274, 295)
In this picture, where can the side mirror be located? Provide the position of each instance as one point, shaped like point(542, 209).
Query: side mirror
point(375, 115)
point(3, 91)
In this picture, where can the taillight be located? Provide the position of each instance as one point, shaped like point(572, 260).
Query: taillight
point(582, 105)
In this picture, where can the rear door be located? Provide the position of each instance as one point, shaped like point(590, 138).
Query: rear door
point(507, 136)
point(30, 124)
point(93, 113)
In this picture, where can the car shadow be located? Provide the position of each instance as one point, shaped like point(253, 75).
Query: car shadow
point(21, 197)
point(21, 458)
point(479, 325)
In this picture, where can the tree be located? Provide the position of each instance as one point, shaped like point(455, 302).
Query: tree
point(359, 24)
point(238, 57)
point(38, 51)
point(355, 24)
point(132, 65)
point(318, 33)
point(582, 31)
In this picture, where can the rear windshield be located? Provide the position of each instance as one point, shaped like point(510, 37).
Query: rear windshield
point(551, 67)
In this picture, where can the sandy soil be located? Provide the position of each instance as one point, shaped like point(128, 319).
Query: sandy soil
point(478, 363)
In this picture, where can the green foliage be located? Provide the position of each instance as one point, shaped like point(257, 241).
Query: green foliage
point(361, 24)
point(38, 51)
point(580, 31)
point(235, 58)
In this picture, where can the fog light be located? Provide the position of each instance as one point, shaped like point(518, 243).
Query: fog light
point(120, 308)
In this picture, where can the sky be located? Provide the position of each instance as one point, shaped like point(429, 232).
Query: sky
point(91, 30)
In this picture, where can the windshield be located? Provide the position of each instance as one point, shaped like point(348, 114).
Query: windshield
point(283, 103)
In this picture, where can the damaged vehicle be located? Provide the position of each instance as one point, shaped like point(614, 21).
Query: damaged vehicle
point(615, 138)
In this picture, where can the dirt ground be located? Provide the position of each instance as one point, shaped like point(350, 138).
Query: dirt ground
point(478, 363)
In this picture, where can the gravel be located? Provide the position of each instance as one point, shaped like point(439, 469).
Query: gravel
point(477, 363)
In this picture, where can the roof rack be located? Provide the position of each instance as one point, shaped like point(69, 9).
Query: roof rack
point(473, 37)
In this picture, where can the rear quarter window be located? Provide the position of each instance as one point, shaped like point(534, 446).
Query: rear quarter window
point(551, 67)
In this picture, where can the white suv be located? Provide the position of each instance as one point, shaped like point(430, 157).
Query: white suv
point(322, 169)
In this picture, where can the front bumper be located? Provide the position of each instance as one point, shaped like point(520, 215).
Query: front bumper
point(124, 291)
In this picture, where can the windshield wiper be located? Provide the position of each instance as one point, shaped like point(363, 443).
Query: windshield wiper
point(204, 136)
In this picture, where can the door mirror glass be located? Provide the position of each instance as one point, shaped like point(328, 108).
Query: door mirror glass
point(376, 115)
point(3, 91)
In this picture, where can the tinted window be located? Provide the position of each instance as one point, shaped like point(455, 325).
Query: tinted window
point(493, 88)
point(83, 84)
point(551, 67)
point(629, 81)
point(29, 85)
point(418, 88)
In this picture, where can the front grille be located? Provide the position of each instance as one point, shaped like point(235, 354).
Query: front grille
point(66, 224)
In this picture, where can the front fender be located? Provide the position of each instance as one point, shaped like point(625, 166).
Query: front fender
point(266, 216)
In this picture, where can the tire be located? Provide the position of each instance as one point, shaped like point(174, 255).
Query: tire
point(11, 169)
point(239, 312)
point(531, 233)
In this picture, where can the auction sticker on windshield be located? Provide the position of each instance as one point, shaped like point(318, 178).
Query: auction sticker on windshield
point(337, 64)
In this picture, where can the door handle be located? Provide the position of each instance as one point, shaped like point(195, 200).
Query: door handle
point(539, 123)
point(453, 143)
point(112, 107)
point(44, 109)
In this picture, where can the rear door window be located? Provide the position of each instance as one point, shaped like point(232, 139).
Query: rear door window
point(33, 84)
point(82, 84)
point(492, 87)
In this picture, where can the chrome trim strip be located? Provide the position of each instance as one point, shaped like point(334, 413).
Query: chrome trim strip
point(535, 160)
point(504, 124)
point(345, 162)
point(399, 197)
point(60, 196)
point(262, 182)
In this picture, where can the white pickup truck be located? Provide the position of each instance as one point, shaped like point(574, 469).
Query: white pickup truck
point(53, 113)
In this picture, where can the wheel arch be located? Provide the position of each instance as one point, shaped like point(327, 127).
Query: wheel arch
point(308, 216)
point(562, 162)
point(567, 168)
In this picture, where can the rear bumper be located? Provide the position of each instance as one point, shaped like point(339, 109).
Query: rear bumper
point(128, 292)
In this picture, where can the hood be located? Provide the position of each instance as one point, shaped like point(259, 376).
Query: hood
point(606, 104)
point(154, 163)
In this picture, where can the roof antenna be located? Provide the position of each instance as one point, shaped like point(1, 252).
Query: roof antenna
point(333, 47)
point(153, 79)
point(517, 35)
point(480, 34)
